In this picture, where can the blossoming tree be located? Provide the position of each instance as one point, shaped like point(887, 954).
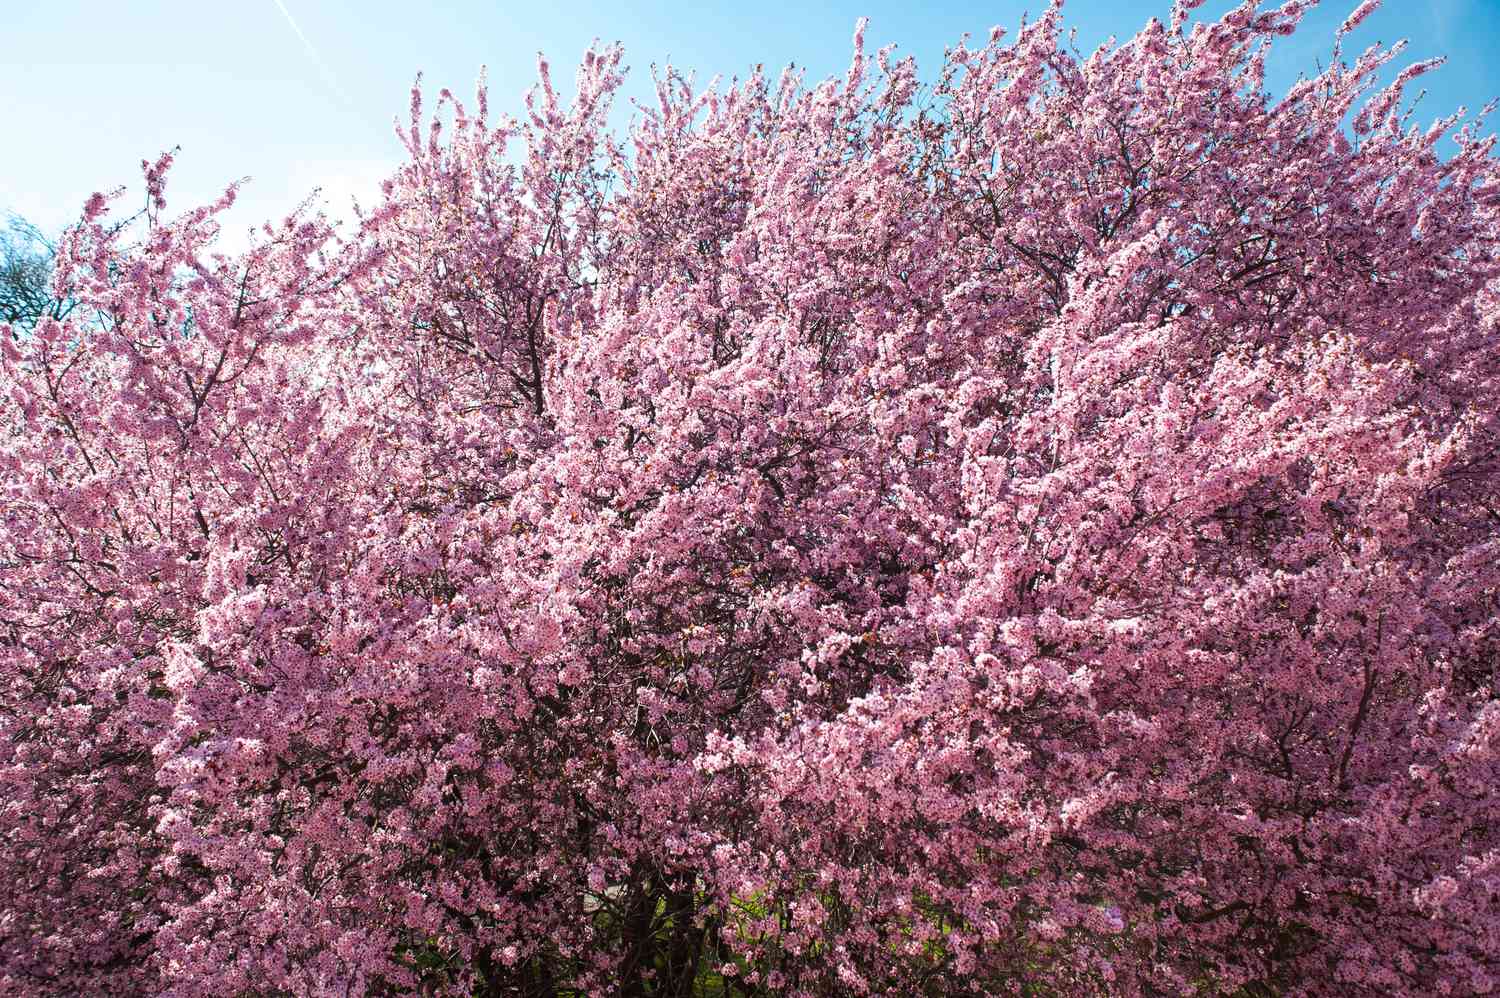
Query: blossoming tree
point(1040, 539)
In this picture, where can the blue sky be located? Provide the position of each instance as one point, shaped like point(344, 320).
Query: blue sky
point(300, 93)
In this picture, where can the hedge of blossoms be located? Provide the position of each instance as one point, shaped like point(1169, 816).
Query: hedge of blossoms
point(1040, 539)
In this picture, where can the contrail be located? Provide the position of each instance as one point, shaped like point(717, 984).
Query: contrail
point(312, 51)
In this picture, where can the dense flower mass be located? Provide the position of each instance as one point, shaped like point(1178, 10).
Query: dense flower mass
point(1033, 534)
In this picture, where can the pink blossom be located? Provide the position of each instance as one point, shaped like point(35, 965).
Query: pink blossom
point(1035, 532)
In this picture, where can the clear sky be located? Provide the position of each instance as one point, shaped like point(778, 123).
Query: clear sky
point(297, 94)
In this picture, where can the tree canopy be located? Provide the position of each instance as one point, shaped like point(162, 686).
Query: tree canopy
point(1034, 533)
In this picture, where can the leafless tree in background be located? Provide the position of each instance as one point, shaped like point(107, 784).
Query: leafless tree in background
point(26, 259)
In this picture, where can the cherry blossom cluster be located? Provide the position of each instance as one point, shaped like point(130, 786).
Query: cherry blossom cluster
point(1033, 532)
